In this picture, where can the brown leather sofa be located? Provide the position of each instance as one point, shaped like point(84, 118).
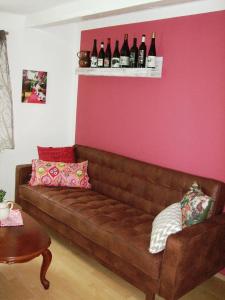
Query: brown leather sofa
point(112, 221)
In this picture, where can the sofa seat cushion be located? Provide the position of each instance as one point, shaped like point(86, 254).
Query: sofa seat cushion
point(116, 226)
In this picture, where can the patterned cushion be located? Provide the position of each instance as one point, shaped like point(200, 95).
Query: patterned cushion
point(167, 222)
point(56, 154)
point(59, 174)
point(195, 206)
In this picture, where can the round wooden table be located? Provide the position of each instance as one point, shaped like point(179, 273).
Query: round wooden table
point(20, 244)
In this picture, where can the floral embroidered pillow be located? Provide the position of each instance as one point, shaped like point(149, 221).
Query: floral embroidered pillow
point(59, 174)
point(195, 206)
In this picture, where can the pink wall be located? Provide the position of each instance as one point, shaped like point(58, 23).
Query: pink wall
point(177, 121)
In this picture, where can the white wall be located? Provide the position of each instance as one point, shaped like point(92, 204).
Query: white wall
point(49, 50)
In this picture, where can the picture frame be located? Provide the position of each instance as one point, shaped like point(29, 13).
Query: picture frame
point(34, 87)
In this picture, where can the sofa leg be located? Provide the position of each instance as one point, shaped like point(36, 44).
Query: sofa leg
point(150, 296)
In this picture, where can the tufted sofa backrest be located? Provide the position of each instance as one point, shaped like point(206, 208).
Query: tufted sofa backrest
point(143, 185)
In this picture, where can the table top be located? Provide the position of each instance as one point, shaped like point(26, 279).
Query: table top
point(23, 243)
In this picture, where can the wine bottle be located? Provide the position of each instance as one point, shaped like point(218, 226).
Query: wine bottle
point(115, 63)
point(94, 55)
point(151, 58)
point(134, 54)
point(142, 53)
point(101, 56)
point(125, 53)
point(108, 55)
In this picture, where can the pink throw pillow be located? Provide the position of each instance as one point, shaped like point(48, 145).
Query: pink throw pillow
point(57, 154)
point(59, 174)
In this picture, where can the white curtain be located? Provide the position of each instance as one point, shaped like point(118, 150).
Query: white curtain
point(6, 115)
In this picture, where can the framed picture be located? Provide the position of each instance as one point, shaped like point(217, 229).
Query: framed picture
point(34, 87)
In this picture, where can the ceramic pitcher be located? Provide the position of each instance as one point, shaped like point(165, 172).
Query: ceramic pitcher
point(84, 59)
point(5, 208)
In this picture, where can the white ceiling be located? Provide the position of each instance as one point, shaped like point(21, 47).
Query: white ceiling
point(25, 7)
point(49, 12)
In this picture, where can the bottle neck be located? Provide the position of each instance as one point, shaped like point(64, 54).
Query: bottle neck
point(95, 45)
point(143, 39)
point(108, 48)
point(152, 46)
point(153, 40)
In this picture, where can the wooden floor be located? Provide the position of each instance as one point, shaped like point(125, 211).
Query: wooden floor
point(74, 276)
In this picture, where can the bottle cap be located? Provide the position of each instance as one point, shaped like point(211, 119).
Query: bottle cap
point(153, 35)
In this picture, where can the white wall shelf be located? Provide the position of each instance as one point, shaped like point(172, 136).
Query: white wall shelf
point(124, 72)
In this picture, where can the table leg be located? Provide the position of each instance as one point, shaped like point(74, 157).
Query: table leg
point(47, 257)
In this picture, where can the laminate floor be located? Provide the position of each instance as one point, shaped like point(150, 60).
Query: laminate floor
point(75, 276)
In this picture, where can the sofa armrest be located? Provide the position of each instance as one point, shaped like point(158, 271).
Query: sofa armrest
point(23, 174)
point(192, 256)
